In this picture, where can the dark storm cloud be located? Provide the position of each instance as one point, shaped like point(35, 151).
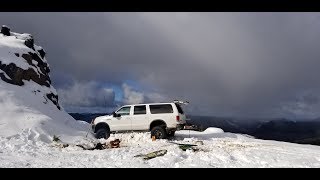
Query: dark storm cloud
point(228, 64)
point(86, 94)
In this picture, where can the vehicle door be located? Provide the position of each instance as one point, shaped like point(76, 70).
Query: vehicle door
point(140, 119)
point(122, 123)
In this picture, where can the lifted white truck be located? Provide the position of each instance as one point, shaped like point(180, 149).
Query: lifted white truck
point(162, 119)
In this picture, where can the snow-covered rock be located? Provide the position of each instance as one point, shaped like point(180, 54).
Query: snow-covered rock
point(28, 101)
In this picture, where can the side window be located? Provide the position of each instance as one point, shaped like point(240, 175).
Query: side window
point(124, 111)
point(140, 110)
point(161, 108)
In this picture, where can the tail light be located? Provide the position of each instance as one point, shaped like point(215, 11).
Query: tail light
point(178, 118)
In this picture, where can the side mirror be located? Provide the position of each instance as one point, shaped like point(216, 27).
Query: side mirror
point(116, 115)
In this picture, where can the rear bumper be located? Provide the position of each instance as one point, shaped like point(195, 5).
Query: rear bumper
point(176, 128)
point(180, 127)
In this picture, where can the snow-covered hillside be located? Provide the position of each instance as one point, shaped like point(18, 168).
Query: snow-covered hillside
point(28, 102)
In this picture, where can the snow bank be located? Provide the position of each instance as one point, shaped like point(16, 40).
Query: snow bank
point(212, 130)
point(209, 133)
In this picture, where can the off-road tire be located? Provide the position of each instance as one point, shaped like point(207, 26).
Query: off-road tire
point(159, 132)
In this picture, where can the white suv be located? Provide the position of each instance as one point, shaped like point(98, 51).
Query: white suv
point(162, 119)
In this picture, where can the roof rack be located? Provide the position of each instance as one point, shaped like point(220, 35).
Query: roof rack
point(181, 102)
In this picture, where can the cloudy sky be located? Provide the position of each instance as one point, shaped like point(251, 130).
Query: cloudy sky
point(225, 64)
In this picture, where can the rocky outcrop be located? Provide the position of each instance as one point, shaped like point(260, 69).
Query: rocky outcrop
point(38, 70)
point(55, 99)
point(29, 42)
point(5, 30)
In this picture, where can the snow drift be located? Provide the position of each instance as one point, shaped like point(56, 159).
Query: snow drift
point(28, 101)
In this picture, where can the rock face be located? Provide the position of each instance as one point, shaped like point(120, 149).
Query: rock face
point(24, 62)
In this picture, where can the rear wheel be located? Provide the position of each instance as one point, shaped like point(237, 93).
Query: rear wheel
point(159, 132)
point(102, 133)
point(171, 133)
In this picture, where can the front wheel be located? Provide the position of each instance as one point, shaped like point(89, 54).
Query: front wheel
point(159, 132)
point(102, 133)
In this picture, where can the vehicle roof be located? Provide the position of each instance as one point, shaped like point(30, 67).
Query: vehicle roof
point(147, 104)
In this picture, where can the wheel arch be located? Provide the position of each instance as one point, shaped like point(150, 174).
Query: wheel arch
point(157, 122)
point(101, 125)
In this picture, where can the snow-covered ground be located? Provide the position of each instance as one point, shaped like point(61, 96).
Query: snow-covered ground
point(218, 150)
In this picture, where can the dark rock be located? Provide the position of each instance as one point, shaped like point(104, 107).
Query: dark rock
point(44, 74)
point(42, 53)
point(5, 79)
point(5, 30)
point(54, 98)
point(30, 74)
point(43, 66)
point(13, 72)
point(17, 54)
point(29, 43)
point(17, 75)
point(28, 58)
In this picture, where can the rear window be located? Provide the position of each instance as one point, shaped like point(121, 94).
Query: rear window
point(179, 108)
point(139, 110)
point(161, 108)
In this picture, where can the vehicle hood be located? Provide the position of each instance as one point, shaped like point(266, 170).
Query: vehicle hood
point(107, 117)
point(103, 118)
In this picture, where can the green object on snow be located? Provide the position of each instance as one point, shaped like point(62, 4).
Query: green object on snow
point(152, 154)
point(183, 144)
point(185, 147)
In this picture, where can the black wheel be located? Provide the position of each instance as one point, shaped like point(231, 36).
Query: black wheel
point(159, 132)
point(171, 133)
point(102, 133)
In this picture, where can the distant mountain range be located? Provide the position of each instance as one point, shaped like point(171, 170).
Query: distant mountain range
point(87, 117)
point(302, 131)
